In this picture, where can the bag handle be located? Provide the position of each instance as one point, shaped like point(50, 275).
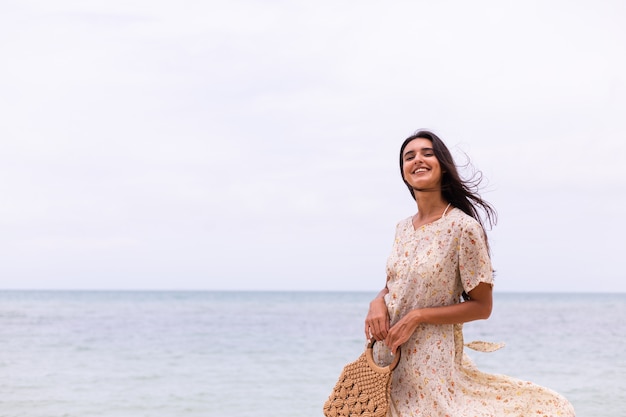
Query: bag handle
point(369, 353)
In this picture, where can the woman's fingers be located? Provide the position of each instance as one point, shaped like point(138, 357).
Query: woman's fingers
point(393, 341)
point(400, 333)
point(381, 329)
point(377, 321)
point(368, 332)
point(376, 329)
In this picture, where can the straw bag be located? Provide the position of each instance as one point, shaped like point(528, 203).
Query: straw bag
point(362, 389)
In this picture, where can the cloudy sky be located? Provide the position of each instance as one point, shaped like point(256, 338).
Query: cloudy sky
point(253, 144)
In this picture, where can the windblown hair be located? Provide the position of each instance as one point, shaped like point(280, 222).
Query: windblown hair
point(460, 193)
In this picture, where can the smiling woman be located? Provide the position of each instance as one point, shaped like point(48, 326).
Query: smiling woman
point(440, 257)
point(424, 151)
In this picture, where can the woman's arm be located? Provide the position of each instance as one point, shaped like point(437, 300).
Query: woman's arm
point(377, 320)
point(477, 307)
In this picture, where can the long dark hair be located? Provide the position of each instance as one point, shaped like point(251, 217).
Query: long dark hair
point(460, 193)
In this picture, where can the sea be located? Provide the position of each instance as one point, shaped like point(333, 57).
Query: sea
point(270, 354)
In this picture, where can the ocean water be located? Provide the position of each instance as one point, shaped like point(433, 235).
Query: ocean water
point(270, 354)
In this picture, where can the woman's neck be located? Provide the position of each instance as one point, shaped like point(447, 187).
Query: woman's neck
point(429, 209)
point(430, 205)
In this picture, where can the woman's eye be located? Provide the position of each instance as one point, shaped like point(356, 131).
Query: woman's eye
point(429, 154)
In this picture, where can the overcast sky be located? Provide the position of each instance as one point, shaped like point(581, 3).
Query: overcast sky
point(253, 144)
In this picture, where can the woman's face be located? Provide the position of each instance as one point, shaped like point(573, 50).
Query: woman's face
point(421, 168)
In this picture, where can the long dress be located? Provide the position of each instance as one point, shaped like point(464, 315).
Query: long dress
point(432, 266)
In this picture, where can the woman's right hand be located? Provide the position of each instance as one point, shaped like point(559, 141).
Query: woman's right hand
point(377, 320)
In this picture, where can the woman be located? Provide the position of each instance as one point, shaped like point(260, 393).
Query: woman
point(439, 256)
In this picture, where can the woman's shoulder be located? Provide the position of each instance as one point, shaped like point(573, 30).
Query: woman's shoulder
point(463, 219)
point(404, 222)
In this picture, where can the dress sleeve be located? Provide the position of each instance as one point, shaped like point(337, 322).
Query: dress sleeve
point(474, 263)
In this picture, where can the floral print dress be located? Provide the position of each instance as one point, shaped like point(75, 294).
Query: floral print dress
point(432, 266)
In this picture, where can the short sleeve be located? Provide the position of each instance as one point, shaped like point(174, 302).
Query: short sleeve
point(474, 262)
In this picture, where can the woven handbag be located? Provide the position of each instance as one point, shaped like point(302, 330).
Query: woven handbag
point(362, 389)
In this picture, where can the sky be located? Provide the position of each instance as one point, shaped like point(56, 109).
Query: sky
point(253, 145)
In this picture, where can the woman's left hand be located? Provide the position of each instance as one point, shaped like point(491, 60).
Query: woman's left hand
point(400, 332)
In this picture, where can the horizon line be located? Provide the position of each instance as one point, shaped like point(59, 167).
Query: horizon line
point(279, 290)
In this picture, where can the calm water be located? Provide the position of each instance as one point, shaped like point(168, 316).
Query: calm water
point(240, 354)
